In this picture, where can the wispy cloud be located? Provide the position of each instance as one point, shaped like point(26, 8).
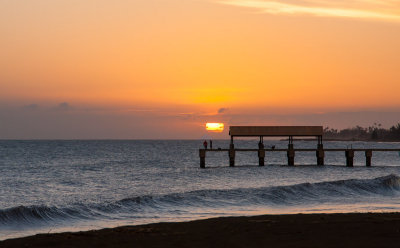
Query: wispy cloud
point(222, 110)
point(364, 9)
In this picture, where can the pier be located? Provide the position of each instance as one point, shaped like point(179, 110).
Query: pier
point(290, 132)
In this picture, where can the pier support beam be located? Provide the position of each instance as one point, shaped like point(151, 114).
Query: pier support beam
point(349, 158)
point(202, 154)
point(261, 154)
point(232, 155)
point(368, 157)
point(320, 155)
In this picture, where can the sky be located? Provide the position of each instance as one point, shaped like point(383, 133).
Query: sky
point(161, 69)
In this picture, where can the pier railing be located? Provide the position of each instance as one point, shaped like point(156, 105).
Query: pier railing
point(319, 152)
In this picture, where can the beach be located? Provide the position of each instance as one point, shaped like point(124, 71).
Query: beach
point(297, 230)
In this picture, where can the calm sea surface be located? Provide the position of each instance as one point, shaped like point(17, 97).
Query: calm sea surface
point(54, 186)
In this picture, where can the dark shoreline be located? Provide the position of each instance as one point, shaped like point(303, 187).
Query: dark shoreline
point(298, 230)
point(347, 140)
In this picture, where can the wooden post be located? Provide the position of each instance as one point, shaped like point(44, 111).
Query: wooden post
point(231, 155)
point(368, 157)
point(261, 154)
point(320, 154)
point(202, 154)
point(290, 155)
point(349, 158)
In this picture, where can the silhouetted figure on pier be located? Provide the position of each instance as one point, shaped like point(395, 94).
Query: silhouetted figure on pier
point(211, 144)
point(205, 144)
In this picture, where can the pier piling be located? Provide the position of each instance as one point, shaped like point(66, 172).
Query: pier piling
point(290, 155)
point(202, 154)
point(232, 154)
point(320, 157)
point(320, 153)
point(368, 157)
point(349, 158)
point(261, 154)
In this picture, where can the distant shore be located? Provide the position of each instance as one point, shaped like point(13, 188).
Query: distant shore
point(348, 140)
point(362, 140)
point(299, 230)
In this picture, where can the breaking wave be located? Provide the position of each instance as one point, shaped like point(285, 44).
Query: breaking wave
point(306, 193)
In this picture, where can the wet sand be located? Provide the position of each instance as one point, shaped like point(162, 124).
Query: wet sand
point(300, 230)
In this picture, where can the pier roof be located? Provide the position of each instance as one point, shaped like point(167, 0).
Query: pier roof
point(249, 131)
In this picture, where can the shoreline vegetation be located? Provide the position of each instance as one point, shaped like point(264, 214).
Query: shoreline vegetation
point(296, 230)
point(358, 133)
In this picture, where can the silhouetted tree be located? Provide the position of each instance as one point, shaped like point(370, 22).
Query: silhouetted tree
point(374, 132)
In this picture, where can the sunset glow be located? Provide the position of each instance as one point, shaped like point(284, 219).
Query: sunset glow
point(215, 127)
point(130, 66)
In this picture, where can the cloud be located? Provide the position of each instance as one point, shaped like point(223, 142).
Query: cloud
point(186, 116)
point(64, 106)
point(31, 107)
point(222, 110)
point(388, 10)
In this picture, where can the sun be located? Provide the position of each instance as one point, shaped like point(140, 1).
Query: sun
point(215, 127)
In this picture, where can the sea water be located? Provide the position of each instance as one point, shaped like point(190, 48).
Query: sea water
point(55, 186)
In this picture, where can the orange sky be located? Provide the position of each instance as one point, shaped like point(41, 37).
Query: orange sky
point(201, 55)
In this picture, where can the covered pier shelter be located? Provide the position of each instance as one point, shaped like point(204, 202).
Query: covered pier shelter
point(276, 131)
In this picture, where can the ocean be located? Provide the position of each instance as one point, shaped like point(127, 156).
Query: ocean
point(74, 185)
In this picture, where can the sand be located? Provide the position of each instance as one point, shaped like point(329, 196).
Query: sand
point(300, 230)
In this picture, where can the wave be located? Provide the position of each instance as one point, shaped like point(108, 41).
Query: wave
point(133, 207)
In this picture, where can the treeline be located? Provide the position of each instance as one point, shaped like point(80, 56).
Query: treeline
point(372, 133)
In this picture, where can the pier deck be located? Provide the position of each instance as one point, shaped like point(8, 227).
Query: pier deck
point(320, 153)
point(304, 150)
